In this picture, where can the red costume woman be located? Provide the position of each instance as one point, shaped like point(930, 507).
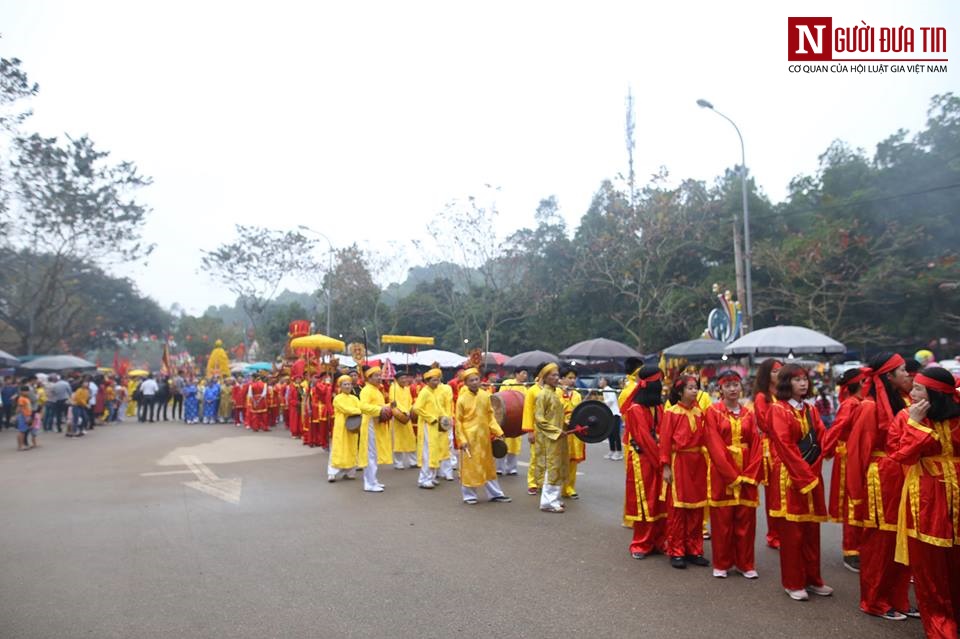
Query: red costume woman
point(928, 524)
point(763, 398)
point(796, 485)
point(875, 482)
point(643, 416)
point(736, 457)
point(838, 503)
point(684, 461)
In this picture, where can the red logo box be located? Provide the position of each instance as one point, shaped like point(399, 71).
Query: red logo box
point(809, 39)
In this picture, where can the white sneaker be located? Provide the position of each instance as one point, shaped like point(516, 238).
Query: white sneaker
point(331, 478)
point(375, 489)
point(399, 466)
point(722, 574)
point(797, 595)
point(608, 455)
point(823, 591)
point(617, 456)
point(750, 574)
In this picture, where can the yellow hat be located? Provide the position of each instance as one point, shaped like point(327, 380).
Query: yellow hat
point(467, 373)
point(546, 370)
point(373, 370)
point(433, 372)
point(343, 378)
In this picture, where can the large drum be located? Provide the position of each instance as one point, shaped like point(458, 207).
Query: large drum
point(508, 411)
point(353, 422)
point(592, 420)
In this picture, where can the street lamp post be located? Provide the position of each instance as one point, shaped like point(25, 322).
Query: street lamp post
point(744, 277)
point(303, 227)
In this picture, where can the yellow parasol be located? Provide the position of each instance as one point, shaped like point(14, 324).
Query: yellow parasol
point(138, 372)
point(406, 339)
point(318, 341)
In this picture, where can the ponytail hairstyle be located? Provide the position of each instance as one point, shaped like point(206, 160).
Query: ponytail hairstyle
point(893, 395)
point(652, 393)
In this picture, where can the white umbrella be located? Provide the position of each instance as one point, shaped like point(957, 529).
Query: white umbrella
point(8, 360)
point(446, 359)
point(55, 363)
point(784, 340)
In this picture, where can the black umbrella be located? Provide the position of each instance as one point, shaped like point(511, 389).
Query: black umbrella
point(599, 348)
point(530, 359)
point(696, 349)
point(7, 360)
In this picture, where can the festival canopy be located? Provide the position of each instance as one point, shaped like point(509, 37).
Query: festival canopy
point(320, 342)
point(696, 350)
point(258, 366)
point(785, 340)
point(57, 363)
point(530, 359)
point(599, 348)
point(7, 360)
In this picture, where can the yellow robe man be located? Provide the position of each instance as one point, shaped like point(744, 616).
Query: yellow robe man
point(475, 427)
point(345, 448)
point(447, 454)
point(404, 439)
point(552, 458)
point(570, 398)
point(374, 434)
point(131, 402)
point(529, 426)
point(430, 445)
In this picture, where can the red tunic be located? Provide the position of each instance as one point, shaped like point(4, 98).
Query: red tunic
point(843, 423)
point(736, 456)
point(682, 446)
point(257, 405)
point(643, 485)
point(291, 403)
point(874, 481)
point(796, 487)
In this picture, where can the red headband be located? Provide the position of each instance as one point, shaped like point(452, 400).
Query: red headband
point(643, 382)
point(844, 386)
point(937, 385)
point(776, 366)
point(884, 411)
point(730, 375)
point(800, 372)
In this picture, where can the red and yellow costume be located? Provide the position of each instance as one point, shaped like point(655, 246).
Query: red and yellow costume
point(642, 506)
point(682, 447)
point(257, 405)
point(291, 405)
point(928, 521)
point(839, 507)
point(239, 393)
point(761, 413)
point(796, 493)
point(736, 468)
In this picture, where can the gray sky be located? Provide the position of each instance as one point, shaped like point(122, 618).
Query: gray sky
point(363, 119)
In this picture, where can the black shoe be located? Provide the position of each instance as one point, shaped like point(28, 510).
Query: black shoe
point(697, 560)
point(678, 562)
point(852, 563)
point(638, 555)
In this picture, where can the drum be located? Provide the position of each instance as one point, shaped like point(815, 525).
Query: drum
point(595, 419)
point(508, 411)
point(445, 424)
point(499, 448)
point(353, 423)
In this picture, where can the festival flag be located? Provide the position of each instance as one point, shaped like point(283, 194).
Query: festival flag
point(165, 368)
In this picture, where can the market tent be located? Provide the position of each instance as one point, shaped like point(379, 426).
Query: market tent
point(56, 363)
point(599, 348)
point(785, 340)
point(446, 359)
point(696, 350)
point(7, 360)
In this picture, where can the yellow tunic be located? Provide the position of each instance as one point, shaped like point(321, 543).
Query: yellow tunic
point(131, 403)
point(345, 451)
point(551, 455)
point(445, 393)
point(475, 424)
point(404, 440)
point(529, 426)
point(429, 411)
point(372, 395)
point(576, 448)
point(514, 444)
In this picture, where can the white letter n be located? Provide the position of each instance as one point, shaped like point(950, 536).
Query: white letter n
point(816, 45)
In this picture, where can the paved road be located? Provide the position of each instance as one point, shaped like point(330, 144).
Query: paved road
point(90, 547)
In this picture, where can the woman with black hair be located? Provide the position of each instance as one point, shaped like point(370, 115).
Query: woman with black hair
point(850, 384)
point(642, 507)
point(928, 526)
point(796, 483)
point(764, 396)
point(874, 484)
point(684, 461)
point(736, 457)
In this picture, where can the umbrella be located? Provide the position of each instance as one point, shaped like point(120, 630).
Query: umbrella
point(696, 349)
point(319, 342)
point(599, 348)
point(7, 360)
point(138, 372)
point(531, 359)
point(55, 363)
point(446, 359)
point(258, 366)
point(784, 340)
point(492, 359)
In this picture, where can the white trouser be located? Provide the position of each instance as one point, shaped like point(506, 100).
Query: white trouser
point(507, 464)
point(550, 496)
point(370, 471)
point(446, 469)
point(340, 473)
point(427, 475)
point(492, 488)
point(404, 460)
point(453, 450)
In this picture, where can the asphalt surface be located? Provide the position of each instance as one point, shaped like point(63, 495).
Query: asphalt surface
point(90, 547)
